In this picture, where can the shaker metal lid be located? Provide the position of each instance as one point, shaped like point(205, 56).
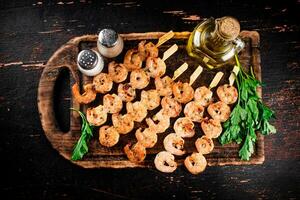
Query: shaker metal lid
point(87, 59)
point(108, 37)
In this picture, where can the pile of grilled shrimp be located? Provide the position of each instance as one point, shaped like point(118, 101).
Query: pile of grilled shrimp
point(173, 97)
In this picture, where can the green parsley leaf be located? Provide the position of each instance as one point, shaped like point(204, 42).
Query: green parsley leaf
point(81, 147)
point(247, 148)
point(248, 116)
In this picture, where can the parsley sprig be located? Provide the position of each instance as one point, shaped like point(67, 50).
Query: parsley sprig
point(81, 147)
point(248, 116)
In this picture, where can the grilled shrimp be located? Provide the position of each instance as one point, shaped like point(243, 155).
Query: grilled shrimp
point(133, 60)
point(112, 103)
point(227, 93)
point(150, 98)
point(139, 79)
point(183, 92)
point(211, 128)
point(108, 136)
point(122, 123)
point(204, 145)
point(194, 111)
point(126, 92)
point(118, 72)
point(147, 137)
point(165, 162)
point(203, 95)
point(219, 111)
point(171, 107)
point(184, 127)
point(136, 154)
point(147, 50)
point(137, 110)
point(195, 163)
point(160, 123)
point(102, 83)
point(164, 86)
point(156, 67)
point(88, 96)
point(173, 143)
point(96, 116)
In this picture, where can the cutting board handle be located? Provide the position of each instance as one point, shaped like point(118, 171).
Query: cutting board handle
point(64, 57)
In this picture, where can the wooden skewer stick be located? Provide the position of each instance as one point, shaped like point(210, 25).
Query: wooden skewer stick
point(233, 75)
point(170, 52)
point(195, 74)
point(165, 38)
point(180, 70)
point(216, 80)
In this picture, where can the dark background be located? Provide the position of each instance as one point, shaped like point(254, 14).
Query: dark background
point(30, 33)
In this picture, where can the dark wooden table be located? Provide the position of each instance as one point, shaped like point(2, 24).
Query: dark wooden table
point(31, 169)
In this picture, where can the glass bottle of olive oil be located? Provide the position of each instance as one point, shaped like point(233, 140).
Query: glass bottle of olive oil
point(215, 41)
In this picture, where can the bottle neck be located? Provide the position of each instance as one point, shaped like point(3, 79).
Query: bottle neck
point(216, 41)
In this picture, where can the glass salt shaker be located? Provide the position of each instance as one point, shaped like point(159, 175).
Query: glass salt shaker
point(110, 43)
point(90, 62)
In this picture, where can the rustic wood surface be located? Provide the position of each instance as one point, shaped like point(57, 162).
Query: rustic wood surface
point(100, 156)
point(31, 31)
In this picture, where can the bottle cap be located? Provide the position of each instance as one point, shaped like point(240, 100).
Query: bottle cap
point(108, 37)
point(228, 27)
point(87, 59)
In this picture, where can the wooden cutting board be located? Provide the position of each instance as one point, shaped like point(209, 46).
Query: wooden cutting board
point(99, 156)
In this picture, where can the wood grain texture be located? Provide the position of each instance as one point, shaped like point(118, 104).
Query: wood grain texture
point(100, 156)
point(31, 31)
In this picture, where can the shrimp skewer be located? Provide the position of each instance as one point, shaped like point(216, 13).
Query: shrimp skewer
point(118, 72)
point(108, 136)
point(88, 96)
point(165, 162)
point(164, 86)
point(203, 94)
point(184, 127)
point(171, 107)
point(182, 92)
point(135, 153)
point(204, 145)
point(96, 116)
point(195, 163)
point(122, 123)
point(212, 128)
point(134, 57)
point(150, 98)
point(156, 67)
point(112, 103)
point(173, 143)
point(147, 50)
point(126, 92)
point(147, 137)
point(194, 110)
point(102, 83)
point(137, 110)
point(133, 60)
point(150, 49)
point(139, 79)
point(219, 111)
point(160, 122)
point(228, 93)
